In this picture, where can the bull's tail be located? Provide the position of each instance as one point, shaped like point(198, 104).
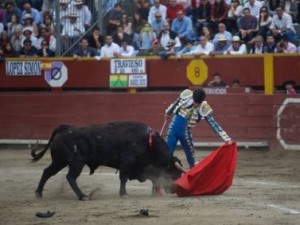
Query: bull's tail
point(38, 156)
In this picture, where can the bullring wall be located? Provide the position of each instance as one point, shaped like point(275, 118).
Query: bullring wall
point(246, 116)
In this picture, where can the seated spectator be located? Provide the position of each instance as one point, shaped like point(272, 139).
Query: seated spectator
point(166, 35)
point(157, 23)
point(157, 8)
point(146, 37)
point(83, 12)
point(49, 5)
point(27, 33)
point(35, 14)
point(183, 26)
point(11, 26)
point(126, 49)
point(17, 39)
point(290, 7)
point(247, 26)
point(222, 32)
point(28, 50)
point(72, 30)
point(155, 49)
point(188, 47)
point(48, 23)
point(143, 8)
point(114, 19)
point(219, 10)
point(9, 51)
point(96, 40)
point(203, 48)
point(264, 22)
point(110, 49)
point(44, 50)
point(217, 81)
point(201, 16)
point(84, 49)
point(48, 37)
point(282, 25)
point(172, 10)
point(127, 26)
point(271, 5)
point(254, 7)
point(171, 50)
point(137, 25)
point(270, 45)
point(234, 13)
point(289, 86)
point(10, 10)
point(236, 48)
point(284, 46)
point(120, 36)
point(4, 39)
point(64, 12)
point(258, 47)
point(221, 46)
point(29, 24)
point(208, 33)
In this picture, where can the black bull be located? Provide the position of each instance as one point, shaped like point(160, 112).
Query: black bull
point(130, 147)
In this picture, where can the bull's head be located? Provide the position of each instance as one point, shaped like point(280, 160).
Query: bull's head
point(174, 171)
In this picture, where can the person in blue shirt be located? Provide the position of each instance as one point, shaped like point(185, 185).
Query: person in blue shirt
point(183, 26)
point(188, 109)
point(10, 10)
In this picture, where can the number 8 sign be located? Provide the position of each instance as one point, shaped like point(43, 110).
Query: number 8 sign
point(197, 72)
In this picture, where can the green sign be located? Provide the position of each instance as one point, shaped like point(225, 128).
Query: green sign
point(118, 81)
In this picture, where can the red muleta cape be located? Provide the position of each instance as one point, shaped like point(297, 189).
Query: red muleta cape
point(212, 176)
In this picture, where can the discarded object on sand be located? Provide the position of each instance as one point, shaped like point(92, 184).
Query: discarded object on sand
point(47, 214)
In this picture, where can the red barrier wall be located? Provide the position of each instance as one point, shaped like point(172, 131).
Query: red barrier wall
point(246, 117)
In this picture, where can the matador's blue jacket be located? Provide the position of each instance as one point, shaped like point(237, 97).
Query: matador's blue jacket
point(186, 117)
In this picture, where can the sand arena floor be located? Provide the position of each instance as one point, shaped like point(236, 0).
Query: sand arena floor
point(266, 191)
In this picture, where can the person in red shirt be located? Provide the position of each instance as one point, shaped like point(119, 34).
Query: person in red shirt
point(172, 9)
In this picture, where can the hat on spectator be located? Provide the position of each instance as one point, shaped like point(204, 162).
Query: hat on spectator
point(73, 15)
point(27, 16)
point(236, 38)
point(27, 29)
point(222, 37)
point(78, 2)
point(63, 1)
point(171, 43)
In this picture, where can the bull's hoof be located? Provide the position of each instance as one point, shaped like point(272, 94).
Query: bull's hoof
point(84, 198)
point(38, 194)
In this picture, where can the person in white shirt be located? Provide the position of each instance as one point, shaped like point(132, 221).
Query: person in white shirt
point(254, 7)
point(83, 12)
point(127, 50)
point(204, 48)
point(282, 25)
point(72, 28)
point(157, 7)
point(28, 36)
point(110, 49)
point(236, 48)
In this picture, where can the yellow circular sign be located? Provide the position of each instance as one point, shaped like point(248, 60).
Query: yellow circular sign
point(197, 71)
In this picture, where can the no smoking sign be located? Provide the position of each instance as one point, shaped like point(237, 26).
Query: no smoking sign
point(57, 75)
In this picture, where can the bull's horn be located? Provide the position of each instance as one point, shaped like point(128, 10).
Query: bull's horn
point(178, 166)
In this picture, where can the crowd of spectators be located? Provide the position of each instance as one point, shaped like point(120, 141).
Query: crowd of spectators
point(156, 27)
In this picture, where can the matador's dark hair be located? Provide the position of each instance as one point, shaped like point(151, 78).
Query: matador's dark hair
point(199, 95)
